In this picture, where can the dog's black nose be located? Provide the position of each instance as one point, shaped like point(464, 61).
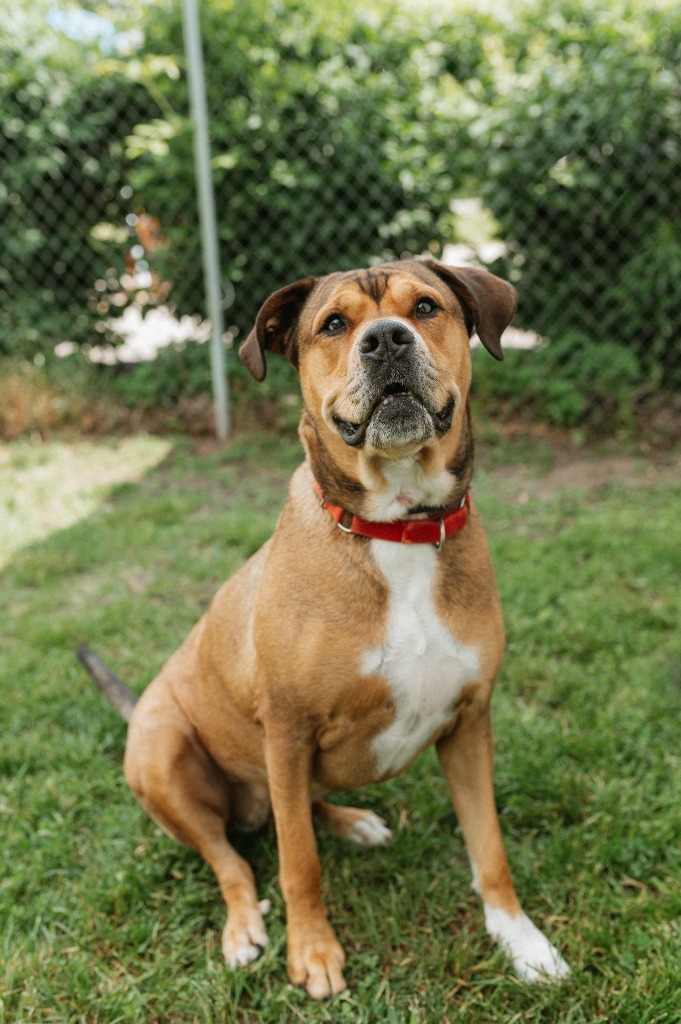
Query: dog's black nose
point(386, 340)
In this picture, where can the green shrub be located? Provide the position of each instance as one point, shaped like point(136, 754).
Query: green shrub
point(183, 371)
point(340, 136)
point(178, 370)
point(568, 382)
point(329, 128)
point(581, 149)
point(328, 132)
point(61, 169)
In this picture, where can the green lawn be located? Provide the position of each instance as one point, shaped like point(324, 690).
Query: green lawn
point(105, 919)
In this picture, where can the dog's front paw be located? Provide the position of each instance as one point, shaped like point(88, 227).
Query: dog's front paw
point(533, 956)
point(317, 963)
point(245, 936)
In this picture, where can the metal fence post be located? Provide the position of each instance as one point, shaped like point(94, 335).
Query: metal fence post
point(206, 199)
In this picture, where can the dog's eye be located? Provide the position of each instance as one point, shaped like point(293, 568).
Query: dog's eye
point(426, 307)
point(333, 324)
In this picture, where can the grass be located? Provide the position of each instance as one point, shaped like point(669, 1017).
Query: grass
point(104, 919)
point(59, 484)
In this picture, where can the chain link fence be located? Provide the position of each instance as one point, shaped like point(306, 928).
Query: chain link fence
point(562, 173)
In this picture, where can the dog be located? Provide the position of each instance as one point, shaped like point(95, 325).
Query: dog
point(367, 627)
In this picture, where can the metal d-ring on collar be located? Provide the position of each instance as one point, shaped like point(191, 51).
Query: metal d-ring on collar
point(443, 536)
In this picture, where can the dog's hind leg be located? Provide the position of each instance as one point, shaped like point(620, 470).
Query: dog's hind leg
point(184, 791)
point(363, 827)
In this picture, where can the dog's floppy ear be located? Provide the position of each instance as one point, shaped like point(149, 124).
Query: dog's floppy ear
point(488, 301)
point(275, 327)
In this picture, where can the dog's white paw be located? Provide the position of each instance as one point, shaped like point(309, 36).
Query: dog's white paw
point(370, 831)
point(533, 956)
point(245, 936)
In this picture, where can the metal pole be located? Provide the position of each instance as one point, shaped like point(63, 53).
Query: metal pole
point(206, 199)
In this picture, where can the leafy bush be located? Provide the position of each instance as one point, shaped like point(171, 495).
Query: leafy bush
point(328, 133)
point(181, 372)
point(61, 170)
point(581, 146)
point(177, 370)
point(572, 380)
point(340, 136)
point(328, 128)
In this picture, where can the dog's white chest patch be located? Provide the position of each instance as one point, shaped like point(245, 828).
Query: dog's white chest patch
point(426, 668)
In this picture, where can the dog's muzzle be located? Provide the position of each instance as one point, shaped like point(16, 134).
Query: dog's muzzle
point(397, 392)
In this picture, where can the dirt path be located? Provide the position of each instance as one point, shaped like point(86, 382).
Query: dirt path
point(586, 472)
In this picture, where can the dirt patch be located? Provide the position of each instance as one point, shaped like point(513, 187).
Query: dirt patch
point(587, 473)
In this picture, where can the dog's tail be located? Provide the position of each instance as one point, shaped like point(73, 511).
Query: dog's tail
point(113, 688)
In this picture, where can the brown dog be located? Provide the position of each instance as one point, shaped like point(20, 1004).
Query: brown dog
point(334, 656)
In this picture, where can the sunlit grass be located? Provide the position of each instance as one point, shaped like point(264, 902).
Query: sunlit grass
point(49, 486)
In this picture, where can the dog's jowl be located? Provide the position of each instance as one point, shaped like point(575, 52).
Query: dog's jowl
point(366, 628)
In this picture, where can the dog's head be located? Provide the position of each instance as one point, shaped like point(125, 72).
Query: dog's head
point(383, 354)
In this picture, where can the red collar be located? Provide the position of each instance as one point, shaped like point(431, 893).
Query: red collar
point(434, 530)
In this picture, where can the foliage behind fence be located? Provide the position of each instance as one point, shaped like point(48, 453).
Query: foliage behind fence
point(342, 136)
